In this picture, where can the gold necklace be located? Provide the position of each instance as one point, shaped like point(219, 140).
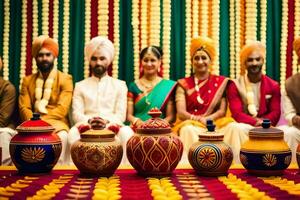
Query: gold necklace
point(197, 88)
point(147, 86)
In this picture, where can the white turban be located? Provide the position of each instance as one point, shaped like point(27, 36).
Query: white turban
point(98, 43)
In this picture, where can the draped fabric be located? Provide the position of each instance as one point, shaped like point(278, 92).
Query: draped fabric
point(170, 24)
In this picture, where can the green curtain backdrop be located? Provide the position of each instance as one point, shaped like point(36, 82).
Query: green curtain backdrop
point(177, 43)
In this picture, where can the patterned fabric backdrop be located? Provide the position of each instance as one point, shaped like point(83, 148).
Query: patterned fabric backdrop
point(134, 24)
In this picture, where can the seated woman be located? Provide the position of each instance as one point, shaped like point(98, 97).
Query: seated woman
point(200, 96)
point(148, 92)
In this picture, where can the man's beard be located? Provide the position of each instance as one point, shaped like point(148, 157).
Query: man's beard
point(255, 69)
point(45, 66)
point(98, 70)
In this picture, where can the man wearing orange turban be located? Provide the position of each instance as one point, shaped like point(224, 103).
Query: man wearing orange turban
point(47, 92)
point(291, 105)
point(252, 97)
point(7, 125)
point(99, 99)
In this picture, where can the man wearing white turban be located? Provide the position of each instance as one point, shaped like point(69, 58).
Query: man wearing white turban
point(100, 97)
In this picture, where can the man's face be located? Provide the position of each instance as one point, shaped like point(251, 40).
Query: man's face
point(99, 63)
point(44, 60)
point(254, 63)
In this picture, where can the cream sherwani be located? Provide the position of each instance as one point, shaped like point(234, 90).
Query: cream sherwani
point(94, 97)
point(291, 133)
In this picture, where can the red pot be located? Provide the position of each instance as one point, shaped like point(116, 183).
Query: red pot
point(36, 148)
point(154, 149)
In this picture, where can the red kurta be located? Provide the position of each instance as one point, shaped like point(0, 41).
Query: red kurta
point(269, 103)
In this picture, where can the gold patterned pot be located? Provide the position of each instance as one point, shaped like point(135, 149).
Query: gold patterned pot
point(265, 153)
point(210, 156)
point(97, 152)
point(154, 150)
point(36, 148)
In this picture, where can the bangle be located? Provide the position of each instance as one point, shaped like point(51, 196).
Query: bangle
point(135, 120)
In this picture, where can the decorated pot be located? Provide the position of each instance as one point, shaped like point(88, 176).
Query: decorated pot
point(265, 153)
point(36, 148)
point(154, 150)
point(97, 152)
point(210, 156)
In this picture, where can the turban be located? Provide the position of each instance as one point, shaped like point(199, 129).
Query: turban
point(247, 50)
point(44, 41)
point(297, 46)
point(98, 43)
point(203, 43)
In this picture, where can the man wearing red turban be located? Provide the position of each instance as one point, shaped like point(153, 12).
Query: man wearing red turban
point(47, 92)
point(252, 97)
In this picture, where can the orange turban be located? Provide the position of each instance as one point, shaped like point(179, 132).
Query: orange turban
point(297, 46)
point(44, 41)
point(204, 43)
point(247, 50)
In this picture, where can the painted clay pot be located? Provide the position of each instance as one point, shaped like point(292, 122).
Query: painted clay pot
point(265, 153)
point(154, 150)
point(210, 156)
point(97, 152)
point(36, 148)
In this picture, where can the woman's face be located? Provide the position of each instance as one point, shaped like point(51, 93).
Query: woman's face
point(150, 64)
point(201, 62)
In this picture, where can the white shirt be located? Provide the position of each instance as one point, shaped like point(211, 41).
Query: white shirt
point(105, 98)
point(256, 92)
point(289, 109)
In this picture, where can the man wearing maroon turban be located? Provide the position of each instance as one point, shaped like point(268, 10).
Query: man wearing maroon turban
point(47, 92)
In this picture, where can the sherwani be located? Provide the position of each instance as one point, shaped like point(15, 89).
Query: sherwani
point(268, 107)
point(291, 133)
point(7, 107)
point(94, 97)
point(58, 106)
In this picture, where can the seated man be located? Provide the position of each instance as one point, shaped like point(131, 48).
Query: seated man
point(7, 107)
point(100, 97)
point(291, 104)
point(47, 92)
point(252, 97)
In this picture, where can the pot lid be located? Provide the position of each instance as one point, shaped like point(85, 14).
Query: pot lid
point(266, 131)
point(154, 125)
point(35, 124)
point(211, 134)
point(98, 133)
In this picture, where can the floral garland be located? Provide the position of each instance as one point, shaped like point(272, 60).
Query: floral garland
point(41, 103)
point(155, 23)
point(232, 39)
point(6, 40)
point(103, 11)
point(263, 24)
point(283, 43)
point(65, 41)
point(296, 34)
point(195, 19)
point(215, 32)
point(144, 18)
point(188, 24)
point(135, 27)
point(55, 23)
point(251, 20)
point(237, 38)
point(166, 38)
point(35, 29)
point(204, 18)
point(23, 42)
point(45, 17)
point(115, 69)
point(87, 34)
